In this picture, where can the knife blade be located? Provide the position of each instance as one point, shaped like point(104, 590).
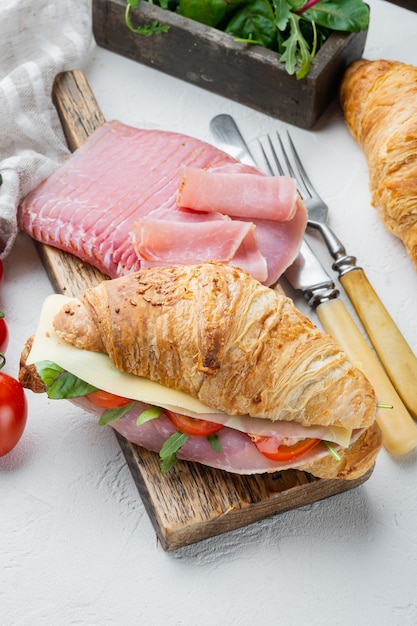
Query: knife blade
point(308, 276)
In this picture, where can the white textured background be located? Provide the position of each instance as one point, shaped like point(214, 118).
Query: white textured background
point(76, 546)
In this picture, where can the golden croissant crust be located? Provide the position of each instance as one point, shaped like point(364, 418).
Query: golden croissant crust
point(379, 101)
point(216, 333)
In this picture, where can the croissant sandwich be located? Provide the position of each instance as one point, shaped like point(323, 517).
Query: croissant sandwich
point(202, 362)
point(379, 100)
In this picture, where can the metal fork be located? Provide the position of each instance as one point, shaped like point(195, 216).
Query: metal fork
point(394, 352)
point(317, 209)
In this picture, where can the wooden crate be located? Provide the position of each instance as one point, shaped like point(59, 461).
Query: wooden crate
point(411, 5)
point(213, 60)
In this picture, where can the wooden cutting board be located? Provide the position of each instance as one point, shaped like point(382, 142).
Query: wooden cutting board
point(191, 502)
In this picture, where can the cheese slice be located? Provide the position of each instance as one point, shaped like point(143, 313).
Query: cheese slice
point(98, 370)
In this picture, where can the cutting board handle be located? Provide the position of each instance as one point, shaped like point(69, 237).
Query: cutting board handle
point(78, 110)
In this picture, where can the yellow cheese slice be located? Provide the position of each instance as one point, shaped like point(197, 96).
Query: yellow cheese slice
point(98, 370)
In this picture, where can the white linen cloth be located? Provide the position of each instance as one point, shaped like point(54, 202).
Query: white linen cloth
point(38, 40)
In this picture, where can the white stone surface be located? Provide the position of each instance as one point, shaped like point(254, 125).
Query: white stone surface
point(76, 545)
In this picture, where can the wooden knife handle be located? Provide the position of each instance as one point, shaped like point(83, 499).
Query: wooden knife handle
point(398, 428)
point(395, 354)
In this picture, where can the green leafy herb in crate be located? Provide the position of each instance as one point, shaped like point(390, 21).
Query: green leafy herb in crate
point(294, 28)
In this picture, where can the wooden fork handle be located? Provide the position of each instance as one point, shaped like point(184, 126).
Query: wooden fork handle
point(399, 430)
point(395, 354)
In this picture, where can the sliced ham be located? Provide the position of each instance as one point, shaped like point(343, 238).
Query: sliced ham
point(277, 242)
point(164, 242)
point(93, 204)
point(238, 195)
point(216, 239)
point(237, 452)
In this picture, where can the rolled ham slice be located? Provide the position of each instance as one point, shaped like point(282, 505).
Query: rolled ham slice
point(238, 195)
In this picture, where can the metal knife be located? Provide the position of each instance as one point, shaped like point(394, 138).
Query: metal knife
point(308, 276)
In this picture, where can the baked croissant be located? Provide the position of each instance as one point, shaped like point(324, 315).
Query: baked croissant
point(379, 101)
point(217, 334)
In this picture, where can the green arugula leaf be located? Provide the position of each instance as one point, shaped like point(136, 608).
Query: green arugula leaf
point(111, 415)
point(214, 441)
point(332, 450)
point(282, 10)
point(61, 384)
point(155, 28)
point(148, 415)
point(296, 50)
point(168, 452)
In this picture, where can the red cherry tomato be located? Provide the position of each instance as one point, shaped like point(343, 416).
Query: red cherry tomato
point(192, 425)
point(13, 412)
point(4, 333)
point(269, 447)
point(106, 400)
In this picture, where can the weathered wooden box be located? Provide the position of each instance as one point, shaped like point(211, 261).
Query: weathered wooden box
point(213, 60)
point(411, 5)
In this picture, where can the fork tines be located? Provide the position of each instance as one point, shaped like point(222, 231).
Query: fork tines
point(278, 162)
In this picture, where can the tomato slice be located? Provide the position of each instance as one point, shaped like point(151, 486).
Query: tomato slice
point(193, 425)
point(269, 447)
point(106, 400)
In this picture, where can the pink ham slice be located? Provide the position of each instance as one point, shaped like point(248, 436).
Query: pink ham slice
point(277, 242)
point(237, 454)
point(238, 195)
point(90, 205)
point(164, 242)
point(216, 239)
